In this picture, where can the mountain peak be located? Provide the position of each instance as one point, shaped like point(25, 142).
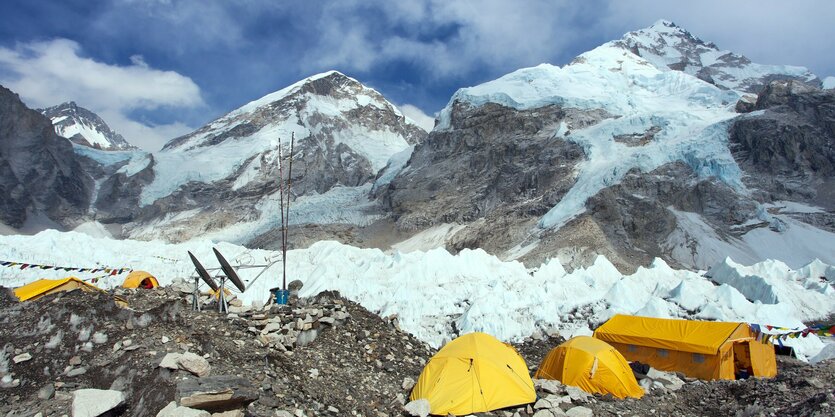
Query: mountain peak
point(666, 45)
point(329, 97)
point(84, 127)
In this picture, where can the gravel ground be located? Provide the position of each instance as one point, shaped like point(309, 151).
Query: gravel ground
point(355, 365)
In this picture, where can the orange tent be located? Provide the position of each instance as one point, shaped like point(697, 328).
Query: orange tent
point(140, 279)
point(700, 349)
point(42, 287)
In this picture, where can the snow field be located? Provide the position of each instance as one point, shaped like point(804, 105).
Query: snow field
point(436, 295)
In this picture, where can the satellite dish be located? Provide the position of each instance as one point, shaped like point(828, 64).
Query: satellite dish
point(202, 273)
point(230, 273)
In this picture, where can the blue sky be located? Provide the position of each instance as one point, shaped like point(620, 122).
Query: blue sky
point(155, 69)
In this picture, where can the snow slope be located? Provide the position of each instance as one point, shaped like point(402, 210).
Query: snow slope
point(829, 82)
point(433, 293)
point(690, 113)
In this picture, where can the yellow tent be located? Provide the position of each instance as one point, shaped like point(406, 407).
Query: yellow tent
point(700, 349)
point(591, 365)
point(140, 279)
point(42, 287)
point(472, 374)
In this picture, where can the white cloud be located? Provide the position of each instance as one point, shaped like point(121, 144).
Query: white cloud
point(417, 115)
point(52, 72)
point(477, 33)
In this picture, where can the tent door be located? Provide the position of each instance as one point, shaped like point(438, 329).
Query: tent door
point(742, 360)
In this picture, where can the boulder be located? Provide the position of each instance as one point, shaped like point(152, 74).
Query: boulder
point(417, 408)
point(216, 393)
point(579, 412)
point(549, 385)
point(172, 410)
point(669, 380)
point(95, 402)
point(188, 361)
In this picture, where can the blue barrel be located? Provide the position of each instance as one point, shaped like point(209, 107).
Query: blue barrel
point(281, 296)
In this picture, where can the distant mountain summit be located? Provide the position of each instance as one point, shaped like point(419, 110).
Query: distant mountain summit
point(666, 45)
point(84, 127)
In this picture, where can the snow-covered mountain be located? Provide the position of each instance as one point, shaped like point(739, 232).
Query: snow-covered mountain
point(627, 153)
point(666, 45)
point(84, 127)
point(221, 180)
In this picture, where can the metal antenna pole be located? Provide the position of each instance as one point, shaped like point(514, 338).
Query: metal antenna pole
point(195, 295)
point(222, 307)
point(287, 217)
point(281, 199)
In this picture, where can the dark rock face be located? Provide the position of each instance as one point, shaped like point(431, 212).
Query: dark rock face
point(118, 197)
point(68, 116)
point(635, 217)
point(788, 150)
point(39, 172)
point(495, 164)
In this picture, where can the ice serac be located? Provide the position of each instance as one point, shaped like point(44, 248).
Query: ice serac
point(667, 45)
point(84, 127)
point(221, 180)
point(41, 179)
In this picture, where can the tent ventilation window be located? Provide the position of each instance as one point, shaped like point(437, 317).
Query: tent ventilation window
point(698, 358)
point(663, 353)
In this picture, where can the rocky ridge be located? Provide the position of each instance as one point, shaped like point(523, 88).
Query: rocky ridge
point(41, 178)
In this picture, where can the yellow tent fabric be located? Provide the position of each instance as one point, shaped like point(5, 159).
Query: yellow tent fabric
point(137, 279)
point(700, 349)
point(591, 365)
point(472, 374)
point(42, 287)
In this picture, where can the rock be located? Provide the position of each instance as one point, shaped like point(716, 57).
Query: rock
point(220, 392)
point(164, 339)
point(75, 361)
point(283, 413)
point(541, 404)
point(816, 383)
point(77, 371)
point(195, 364)
point(549, 386)
point(417, 408)
point(669, 380)
point(333, 409)
point(171, 361)
point(95, 402)
point(295, 285)
point(230, 413)
point(46, 392)
point(188, 361)
point(543, 413)
point(579, 412)
point(271, 327)
point(99, 338)
point(408, 384)
point(172, 410)
point(23, 357)
point(327, 320)
point(576, 394)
